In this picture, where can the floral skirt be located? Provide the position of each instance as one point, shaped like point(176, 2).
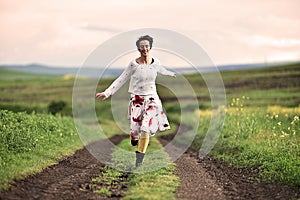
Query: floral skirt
point(145, 113)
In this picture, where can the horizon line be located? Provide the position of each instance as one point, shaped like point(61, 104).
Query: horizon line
point(119, 67)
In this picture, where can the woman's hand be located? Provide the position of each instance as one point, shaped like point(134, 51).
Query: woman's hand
point(101, 94)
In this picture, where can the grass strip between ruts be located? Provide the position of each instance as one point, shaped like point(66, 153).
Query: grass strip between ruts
point(143, 183)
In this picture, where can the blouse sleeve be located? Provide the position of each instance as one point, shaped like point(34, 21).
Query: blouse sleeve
point(117, 84)
point(162, 70)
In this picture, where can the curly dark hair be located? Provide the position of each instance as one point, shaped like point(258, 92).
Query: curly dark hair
point(144, 37)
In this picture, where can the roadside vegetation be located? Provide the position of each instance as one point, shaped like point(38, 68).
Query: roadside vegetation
point(264, 139)
point(30, 142)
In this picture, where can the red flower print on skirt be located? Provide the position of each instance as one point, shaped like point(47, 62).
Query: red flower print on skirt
point(145, 113)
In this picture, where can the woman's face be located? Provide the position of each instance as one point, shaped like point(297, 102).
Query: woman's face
point(144, 47)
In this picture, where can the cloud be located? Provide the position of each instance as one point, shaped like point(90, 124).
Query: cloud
point(259, 40)
point(283, 56)
point(92, 27)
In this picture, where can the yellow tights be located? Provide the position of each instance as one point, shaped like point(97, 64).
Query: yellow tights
point(143, 142)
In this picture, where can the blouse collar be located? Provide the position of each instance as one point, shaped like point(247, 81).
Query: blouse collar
point(152, 62)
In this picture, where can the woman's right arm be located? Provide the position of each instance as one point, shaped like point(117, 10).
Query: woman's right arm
point(115, 86)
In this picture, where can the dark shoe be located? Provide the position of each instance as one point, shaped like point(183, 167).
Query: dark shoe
point(139, 158)
point(134, 142)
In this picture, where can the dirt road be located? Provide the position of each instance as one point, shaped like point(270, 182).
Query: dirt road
point(200, 179)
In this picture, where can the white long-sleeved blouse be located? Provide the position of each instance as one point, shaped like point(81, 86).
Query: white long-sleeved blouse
point(142, 78)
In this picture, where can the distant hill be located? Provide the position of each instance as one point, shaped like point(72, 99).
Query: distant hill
point(50, 70)
point(114, 72)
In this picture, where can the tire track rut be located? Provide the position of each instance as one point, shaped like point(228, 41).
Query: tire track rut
point(70, 178)
point(209, 178)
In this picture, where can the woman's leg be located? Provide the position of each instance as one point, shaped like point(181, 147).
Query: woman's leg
point(134, 136)
point(143, 142)
point(142, 147)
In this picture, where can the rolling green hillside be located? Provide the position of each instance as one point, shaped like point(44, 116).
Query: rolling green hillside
point(265, 86)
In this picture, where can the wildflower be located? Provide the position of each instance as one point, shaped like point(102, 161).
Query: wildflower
point(296, 118)
point(279, 123)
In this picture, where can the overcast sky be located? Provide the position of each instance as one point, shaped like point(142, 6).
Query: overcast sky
point(65, 32)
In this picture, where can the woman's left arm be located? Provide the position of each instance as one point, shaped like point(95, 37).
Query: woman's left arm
point(162, 70)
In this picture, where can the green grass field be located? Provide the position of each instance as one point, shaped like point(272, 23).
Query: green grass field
point(30, 142)
point(261, 127)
